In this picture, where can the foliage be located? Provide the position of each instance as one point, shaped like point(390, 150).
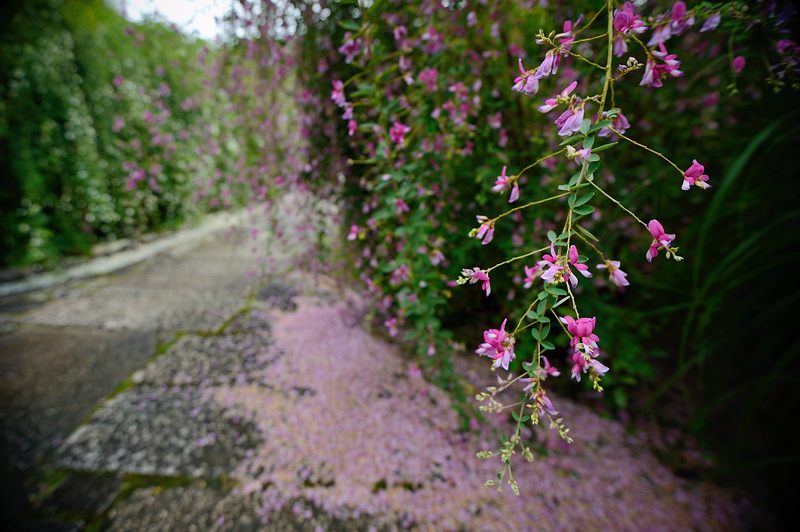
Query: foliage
point(425, 150)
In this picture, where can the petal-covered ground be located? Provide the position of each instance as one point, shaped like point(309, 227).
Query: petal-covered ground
point(350, 427)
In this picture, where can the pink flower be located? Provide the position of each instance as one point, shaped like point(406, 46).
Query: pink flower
point(619, 122)
point(786, 45)
point(527, 82)
point(337, 93)
point(549, 65)
point(562, 97)
point(497, 345)
point(350, 48)
point(485, 231)
point(541, 401)
point(476, 275)
point(661, 239)
point(584, 342)
point(582, 331)
point(582, 155)
point(620, 45)
point(739, 63)
point(615, 274)
point(654, 72)
point(626, 21)
point(352, 127)
point(574, 259)
point(694, 176)
point(398, 132)
point(391, 324)
point(570, 121)
point(711, 23)
point(428, 76)
point(680, 20)
point(502, 183)
point(548, 370)
point(401, 206)
point(354, 232)
point(566, 37)
point(559, 268)
point(531, 273)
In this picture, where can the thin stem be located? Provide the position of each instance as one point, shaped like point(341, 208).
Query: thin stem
point(587, 39)
point(609, 56)
point(591, 245)
point(516, 258)
point(647, 148)
point(644, 47)
point(572, 298)
point(620, 205)
point(559, 152)
point(558, 319)
point(588, 24)
point(580, 57)
point(531, 204)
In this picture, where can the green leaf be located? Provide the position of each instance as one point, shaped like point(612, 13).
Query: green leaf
point(570, 140)
point(588, 142)
point(584, 210)
point(349, 25)
point(586, 232)
point(604, 147)
point(585, 125)
point(551, 236)
point(600, 125)
point(583, 199)
point(547, 346)
point(536, 334)
point(541, 307)
point(542, 295)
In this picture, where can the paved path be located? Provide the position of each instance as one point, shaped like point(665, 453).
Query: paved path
point(187, 393)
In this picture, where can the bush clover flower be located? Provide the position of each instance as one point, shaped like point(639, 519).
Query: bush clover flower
point(504, 181)
point(627, 21)
point(531, 273)
point(498, 345)
point(398, 132)
point(527, 82)
point(476, 275)
point(694, 176)
point(661, 239)
point(615, 273)
point(485, 230)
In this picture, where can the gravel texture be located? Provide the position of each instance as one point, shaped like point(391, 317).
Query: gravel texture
point(160, 431)
point(211, 361)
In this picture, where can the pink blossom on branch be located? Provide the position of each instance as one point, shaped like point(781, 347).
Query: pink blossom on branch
point(398, 132)
point(694, 176)
point(739, 63)
point(485, 231)
point(531, 273)
point(661, 239)
point(502, 183)
point(627, 21)
point(654, 71)
point(527, 82)
point(476, 275)
point(498, 345)
point(615, 273)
